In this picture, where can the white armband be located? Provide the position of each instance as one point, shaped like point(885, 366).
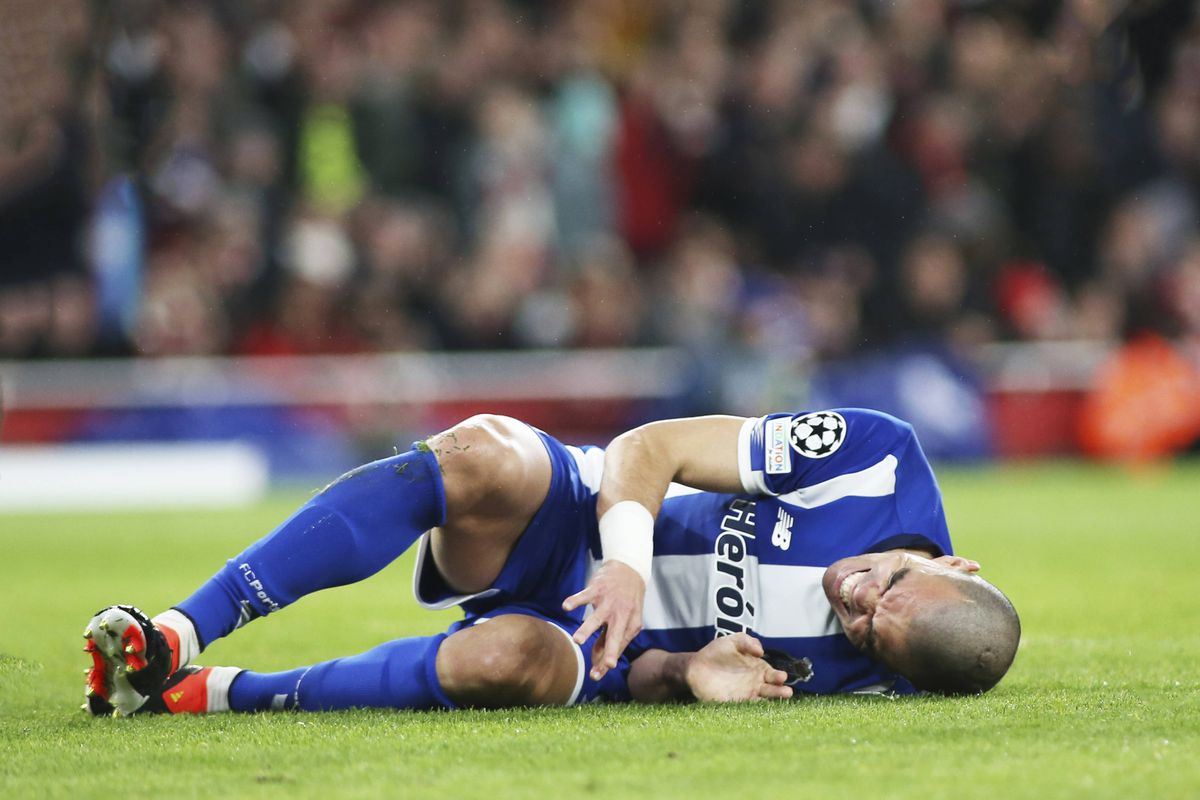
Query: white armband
point(627, 535)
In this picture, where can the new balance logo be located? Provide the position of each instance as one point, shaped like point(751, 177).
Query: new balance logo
point(175, 696)
point(781, 537)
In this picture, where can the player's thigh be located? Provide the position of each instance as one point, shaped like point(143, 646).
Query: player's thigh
point(496, 474)
point(510, 660)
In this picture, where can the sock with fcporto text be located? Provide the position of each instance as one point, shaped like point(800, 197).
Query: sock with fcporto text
point(353, 528)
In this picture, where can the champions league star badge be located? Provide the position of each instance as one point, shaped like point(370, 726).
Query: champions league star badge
point(818, 435)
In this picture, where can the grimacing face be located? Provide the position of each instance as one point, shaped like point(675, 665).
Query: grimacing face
point(876, 595)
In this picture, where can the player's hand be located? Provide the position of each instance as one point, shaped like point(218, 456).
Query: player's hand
point(616, 593)
point(731, 669)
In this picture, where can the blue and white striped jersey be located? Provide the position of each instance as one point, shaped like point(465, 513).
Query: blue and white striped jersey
point(818, 487)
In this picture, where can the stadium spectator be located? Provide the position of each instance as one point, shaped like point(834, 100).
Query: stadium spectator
point(523, 132)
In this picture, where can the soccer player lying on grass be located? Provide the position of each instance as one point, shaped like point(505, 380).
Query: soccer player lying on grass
point(714, 558)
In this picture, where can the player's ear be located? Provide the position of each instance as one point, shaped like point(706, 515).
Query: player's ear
point(958, 563)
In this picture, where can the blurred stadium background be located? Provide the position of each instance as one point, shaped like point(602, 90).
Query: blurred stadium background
point(270, 239)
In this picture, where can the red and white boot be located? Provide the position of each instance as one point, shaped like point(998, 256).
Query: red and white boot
point(136, 669)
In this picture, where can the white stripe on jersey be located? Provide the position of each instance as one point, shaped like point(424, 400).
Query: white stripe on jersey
point(878, 480)
point(788, 601)
point(673, 598)
point(752, 479)
point(793, 603)
point(591, 465)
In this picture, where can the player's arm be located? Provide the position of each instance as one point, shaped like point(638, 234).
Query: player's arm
point(638, 467)
point(700, 452)
point(729, 669)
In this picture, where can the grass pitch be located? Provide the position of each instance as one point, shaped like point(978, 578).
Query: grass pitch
point(1103, 701)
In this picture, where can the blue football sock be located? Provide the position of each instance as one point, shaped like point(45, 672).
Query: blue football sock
point(399, 674)
point(355, 527)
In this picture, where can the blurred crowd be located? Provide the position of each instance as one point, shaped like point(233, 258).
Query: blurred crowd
point(807, 179)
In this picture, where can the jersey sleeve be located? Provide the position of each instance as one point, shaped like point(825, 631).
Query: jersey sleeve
point(815, 458)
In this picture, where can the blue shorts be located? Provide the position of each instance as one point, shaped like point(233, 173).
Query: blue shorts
point(552, 560)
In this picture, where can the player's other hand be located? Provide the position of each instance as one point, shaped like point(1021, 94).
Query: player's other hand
point(731, 669)
point(616, 593)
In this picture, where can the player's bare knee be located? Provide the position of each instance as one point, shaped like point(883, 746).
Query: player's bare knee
point(468, 453)
point(509, 666)
point(496, 656)
point(510, 661)
point(481, 458)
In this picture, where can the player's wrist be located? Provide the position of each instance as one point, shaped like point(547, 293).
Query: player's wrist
point(677, 675)
point(627, 535)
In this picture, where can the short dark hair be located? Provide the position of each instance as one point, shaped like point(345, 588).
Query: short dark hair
point(963, 646)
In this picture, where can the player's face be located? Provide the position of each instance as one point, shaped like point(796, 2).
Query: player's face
point(876, 596)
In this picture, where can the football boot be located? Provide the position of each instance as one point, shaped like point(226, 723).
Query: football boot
point(131, 661)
